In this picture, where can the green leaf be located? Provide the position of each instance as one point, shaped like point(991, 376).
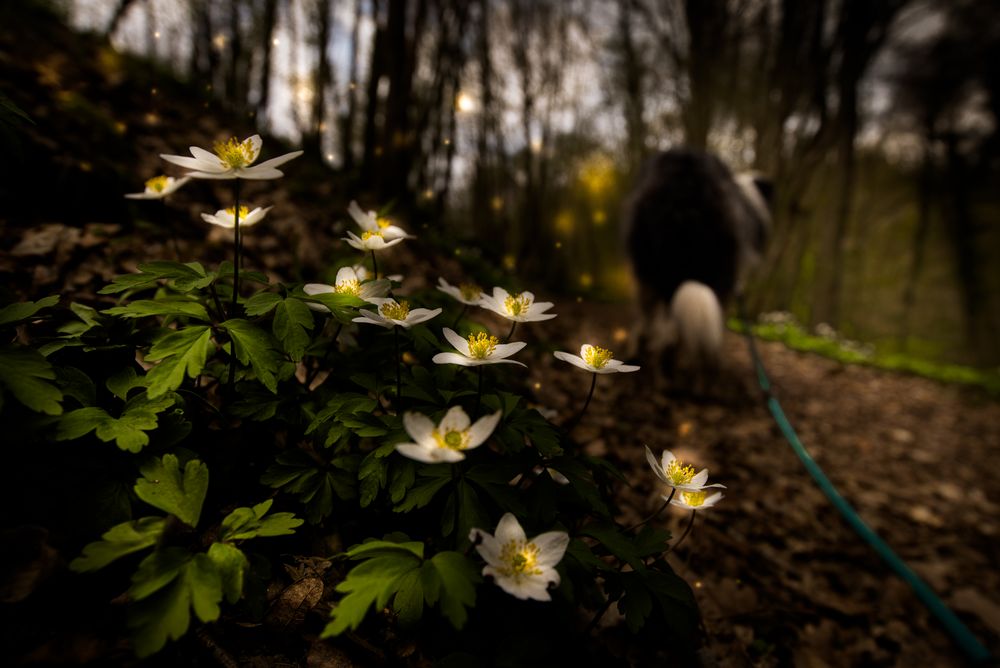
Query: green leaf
point(255, 347)
point(295, 472)
point(421, 494)
point(261, 303)
point(184, 277)
point(79, 423)
point(372, 582)
point(118, 541)
point(127, 431)
point(246, 523)
point(232, 564)
point(292, 322)
point(163, 486)
point(25, 374)
point(373, 548)
point(182, 352)
point(167, 586)
point(143, 308)
point(123, 382)
point(458, 578)
point(616, 543)
point(24, 310)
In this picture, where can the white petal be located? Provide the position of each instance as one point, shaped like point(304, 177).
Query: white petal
point(369, 318)
point(419, 427)
point(507, 349)
point(666, 459)
point(699, 480)
point(454, 358)
point(346, 274)
point(457, 342)
point(193, 163)
point(655, 465)
point(141, 196)
point(317, 289)
point(524, 588)
point(486, 545)
point(255, 143)
point(572, 359)
point(509, 529)
point(414, 451)
point(535, 318)
point(551, 547)
point(367, 221)
point(277, 162)
point(205, 156)
point(483, 428)
point(500, 295)
point(456, 419)
point(259, 173)
point(374, 289)
point(419, 315)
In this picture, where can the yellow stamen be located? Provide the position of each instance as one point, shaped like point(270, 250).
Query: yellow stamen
point(482, 345)
point(694, 499)
point(470, 291)
point(597, 357)
point(678, 474)
point(394, 311)
point(368, 234)
point(234, 153)
point(452, 439)
point(157, 183)
point(348, 287)
point(384, 223)
point(517, 304)
point(520, 558)
point(244, 212)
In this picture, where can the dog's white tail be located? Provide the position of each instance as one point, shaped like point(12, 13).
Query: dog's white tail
point(697, 315)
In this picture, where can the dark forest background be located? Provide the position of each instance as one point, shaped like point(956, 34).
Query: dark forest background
point(518, 125)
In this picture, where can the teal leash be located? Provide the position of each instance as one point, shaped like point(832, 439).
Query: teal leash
point(959, 632)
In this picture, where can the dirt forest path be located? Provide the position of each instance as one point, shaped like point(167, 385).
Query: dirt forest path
point(780, 578)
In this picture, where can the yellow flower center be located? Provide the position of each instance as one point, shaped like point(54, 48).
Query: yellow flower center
point(383, 223)
point(694, 499)
point(470, 291)
point(368, 234)
point(452, 439)
point(348, 287)
point(678, 473)
point(394, 311)
point(244, 212)
point(519, 558)
point(517, 304)
point(597, 357)
point(234, 153)
point(158, 183)
point(482, 345)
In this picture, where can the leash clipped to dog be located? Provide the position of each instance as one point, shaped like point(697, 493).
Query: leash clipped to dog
point(959, 632)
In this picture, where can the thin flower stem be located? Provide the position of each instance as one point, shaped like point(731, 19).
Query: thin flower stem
point(374, 266)
point(673, 490)
point(511, 332)
point(218, 302)
point(684, 535)
point(399, 382)
point(579, 416)
point(461, 314)
point(237, 247)
point(479, 391)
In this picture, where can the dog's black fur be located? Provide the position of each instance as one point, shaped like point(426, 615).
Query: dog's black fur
point(690, 219)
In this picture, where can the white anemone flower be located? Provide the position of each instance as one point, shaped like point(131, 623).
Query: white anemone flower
point(231, 160)
point(362, 273)
point(391, 313)
point(520, 307)
point(448, 440)
point(369, 221)
point(348, 282)
point(699, 500)
point(227, 217)
point(370, 240)
point(596, 360)
point(479, 348)
point(521, 567)
point(673, 472)
point(159, 187)
point(469, 294)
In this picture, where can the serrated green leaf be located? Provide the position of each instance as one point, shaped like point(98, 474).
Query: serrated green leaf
point(143, 308)
point(292, 322)
point(255, 347)
point(80, 422)
point(24, 310)
point(372, 582)
point(458, 577)
point(373, 548)
point(637, 603)
point(617, 544)
point(122, 382)
point(246, 523)
point(261, 303)
point(163, 486)
point(127, 431)
point(118, 541)
point(76, 384)
point(232, 564)
point(167, 586)
point(184, 277)
point(26, 375)
point(421, 494)
point(181, 353)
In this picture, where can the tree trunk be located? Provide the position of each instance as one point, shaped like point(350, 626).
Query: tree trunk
point(269, 21)
point(347, 126)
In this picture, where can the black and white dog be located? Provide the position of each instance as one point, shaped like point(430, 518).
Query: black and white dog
point(693, 231)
